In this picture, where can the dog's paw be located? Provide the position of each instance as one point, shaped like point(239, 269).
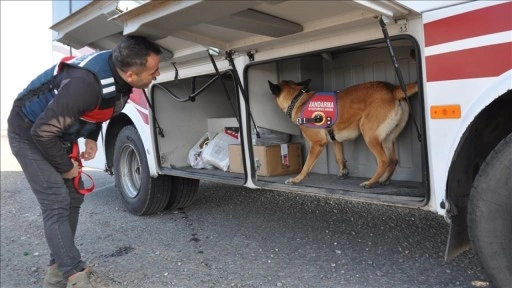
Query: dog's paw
point(343, 173)
point(289, 181)
point(366, 185)
point(386, 182)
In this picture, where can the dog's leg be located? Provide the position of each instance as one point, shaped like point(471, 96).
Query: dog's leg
point(340, 159)
point(314, 152)
point(389, 148)
point(389, 142)
point(382, 160)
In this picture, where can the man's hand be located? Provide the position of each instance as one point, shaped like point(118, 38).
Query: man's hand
point(71, 173)
point(90, 150)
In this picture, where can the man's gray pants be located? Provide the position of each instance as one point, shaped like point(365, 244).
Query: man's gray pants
point(59, 201)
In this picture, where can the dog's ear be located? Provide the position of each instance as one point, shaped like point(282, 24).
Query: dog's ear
point(276, 90)
point(305, 83)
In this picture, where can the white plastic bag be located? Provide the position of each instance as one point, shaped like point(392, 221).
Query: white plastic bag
point(195, 158)
point(216, 152)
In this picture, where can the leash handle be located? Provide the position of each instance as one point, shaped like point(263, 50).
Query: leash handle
point(75, 155)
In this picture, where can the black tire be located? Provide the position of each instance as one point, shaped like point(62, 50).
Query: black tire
point(490, 214)
point(141, 193)
point(184, 191)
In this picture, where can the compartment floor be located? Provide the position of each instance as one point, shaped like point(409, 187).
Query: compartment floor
point(326, 184)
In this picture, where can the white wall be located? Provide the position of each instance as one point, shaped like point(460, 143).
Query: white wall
point(26, 47)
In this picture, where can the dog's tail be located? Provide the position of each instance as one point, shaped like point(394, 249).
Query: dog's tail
point(411, 89)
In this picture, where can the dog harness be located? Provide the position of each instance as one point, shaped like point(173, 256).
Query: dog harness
point(320, 111)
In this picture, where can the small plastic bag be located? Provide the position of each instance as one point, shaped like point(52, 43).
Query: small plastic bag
point(195, 158)
point(216, 152)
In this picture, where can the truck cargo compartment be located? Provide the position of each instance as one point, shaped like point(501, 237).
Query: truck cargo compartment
point(330, 70)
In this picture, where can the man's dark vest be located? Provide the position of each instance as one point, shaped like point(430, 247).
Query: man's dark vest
point(41, 91)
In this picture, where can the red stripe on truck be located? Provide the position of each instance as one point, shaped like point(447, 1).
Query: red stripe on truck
point(137, 98)
point(489, 20)
point(485, 61)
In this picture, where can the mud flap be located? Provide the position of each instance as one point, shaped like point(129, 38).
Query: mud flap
point(458, 238)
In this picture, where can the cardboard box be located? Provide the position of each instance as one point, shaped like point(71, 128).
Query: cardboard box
point(273, 160)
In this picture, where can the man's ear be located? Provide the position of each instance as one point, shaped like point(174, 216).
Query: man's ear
point(276, 90)
point(130, 75)
point(305, 83)
point(127, 76)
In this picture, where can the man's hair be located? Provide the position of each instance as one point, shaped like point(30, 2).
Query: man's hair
point(132, 52)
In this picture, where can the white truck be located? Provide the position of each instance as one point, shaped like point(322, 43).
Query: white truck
point(455, 153)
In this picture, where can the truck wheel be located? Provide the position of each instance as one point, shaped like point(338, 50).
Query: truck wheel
point(490, 214)
point(141, 193)
point(184, 191)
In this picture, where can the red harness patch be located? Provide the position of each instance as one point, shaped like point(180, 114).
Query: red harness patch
point(321, 111)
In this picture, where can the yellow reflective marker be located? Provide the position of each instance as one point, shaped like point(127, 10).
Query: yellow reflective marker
point(445, 112)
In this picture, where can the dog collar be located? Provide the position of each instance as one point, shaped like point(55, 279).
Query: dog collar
point(294, 101)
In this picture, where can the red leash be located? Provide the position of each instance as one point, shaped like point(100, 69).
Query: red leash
point(75, 155)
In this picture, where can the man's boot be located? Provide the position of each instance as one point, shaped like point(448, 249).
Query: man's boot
point(54, 278)
point(87, 278)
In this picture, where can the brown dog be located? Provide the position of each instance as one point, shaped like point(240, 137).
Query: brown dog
point(373, 109)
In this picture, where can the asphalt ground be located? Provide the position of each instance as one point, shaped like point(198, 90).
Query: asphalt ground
point(236, 237)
